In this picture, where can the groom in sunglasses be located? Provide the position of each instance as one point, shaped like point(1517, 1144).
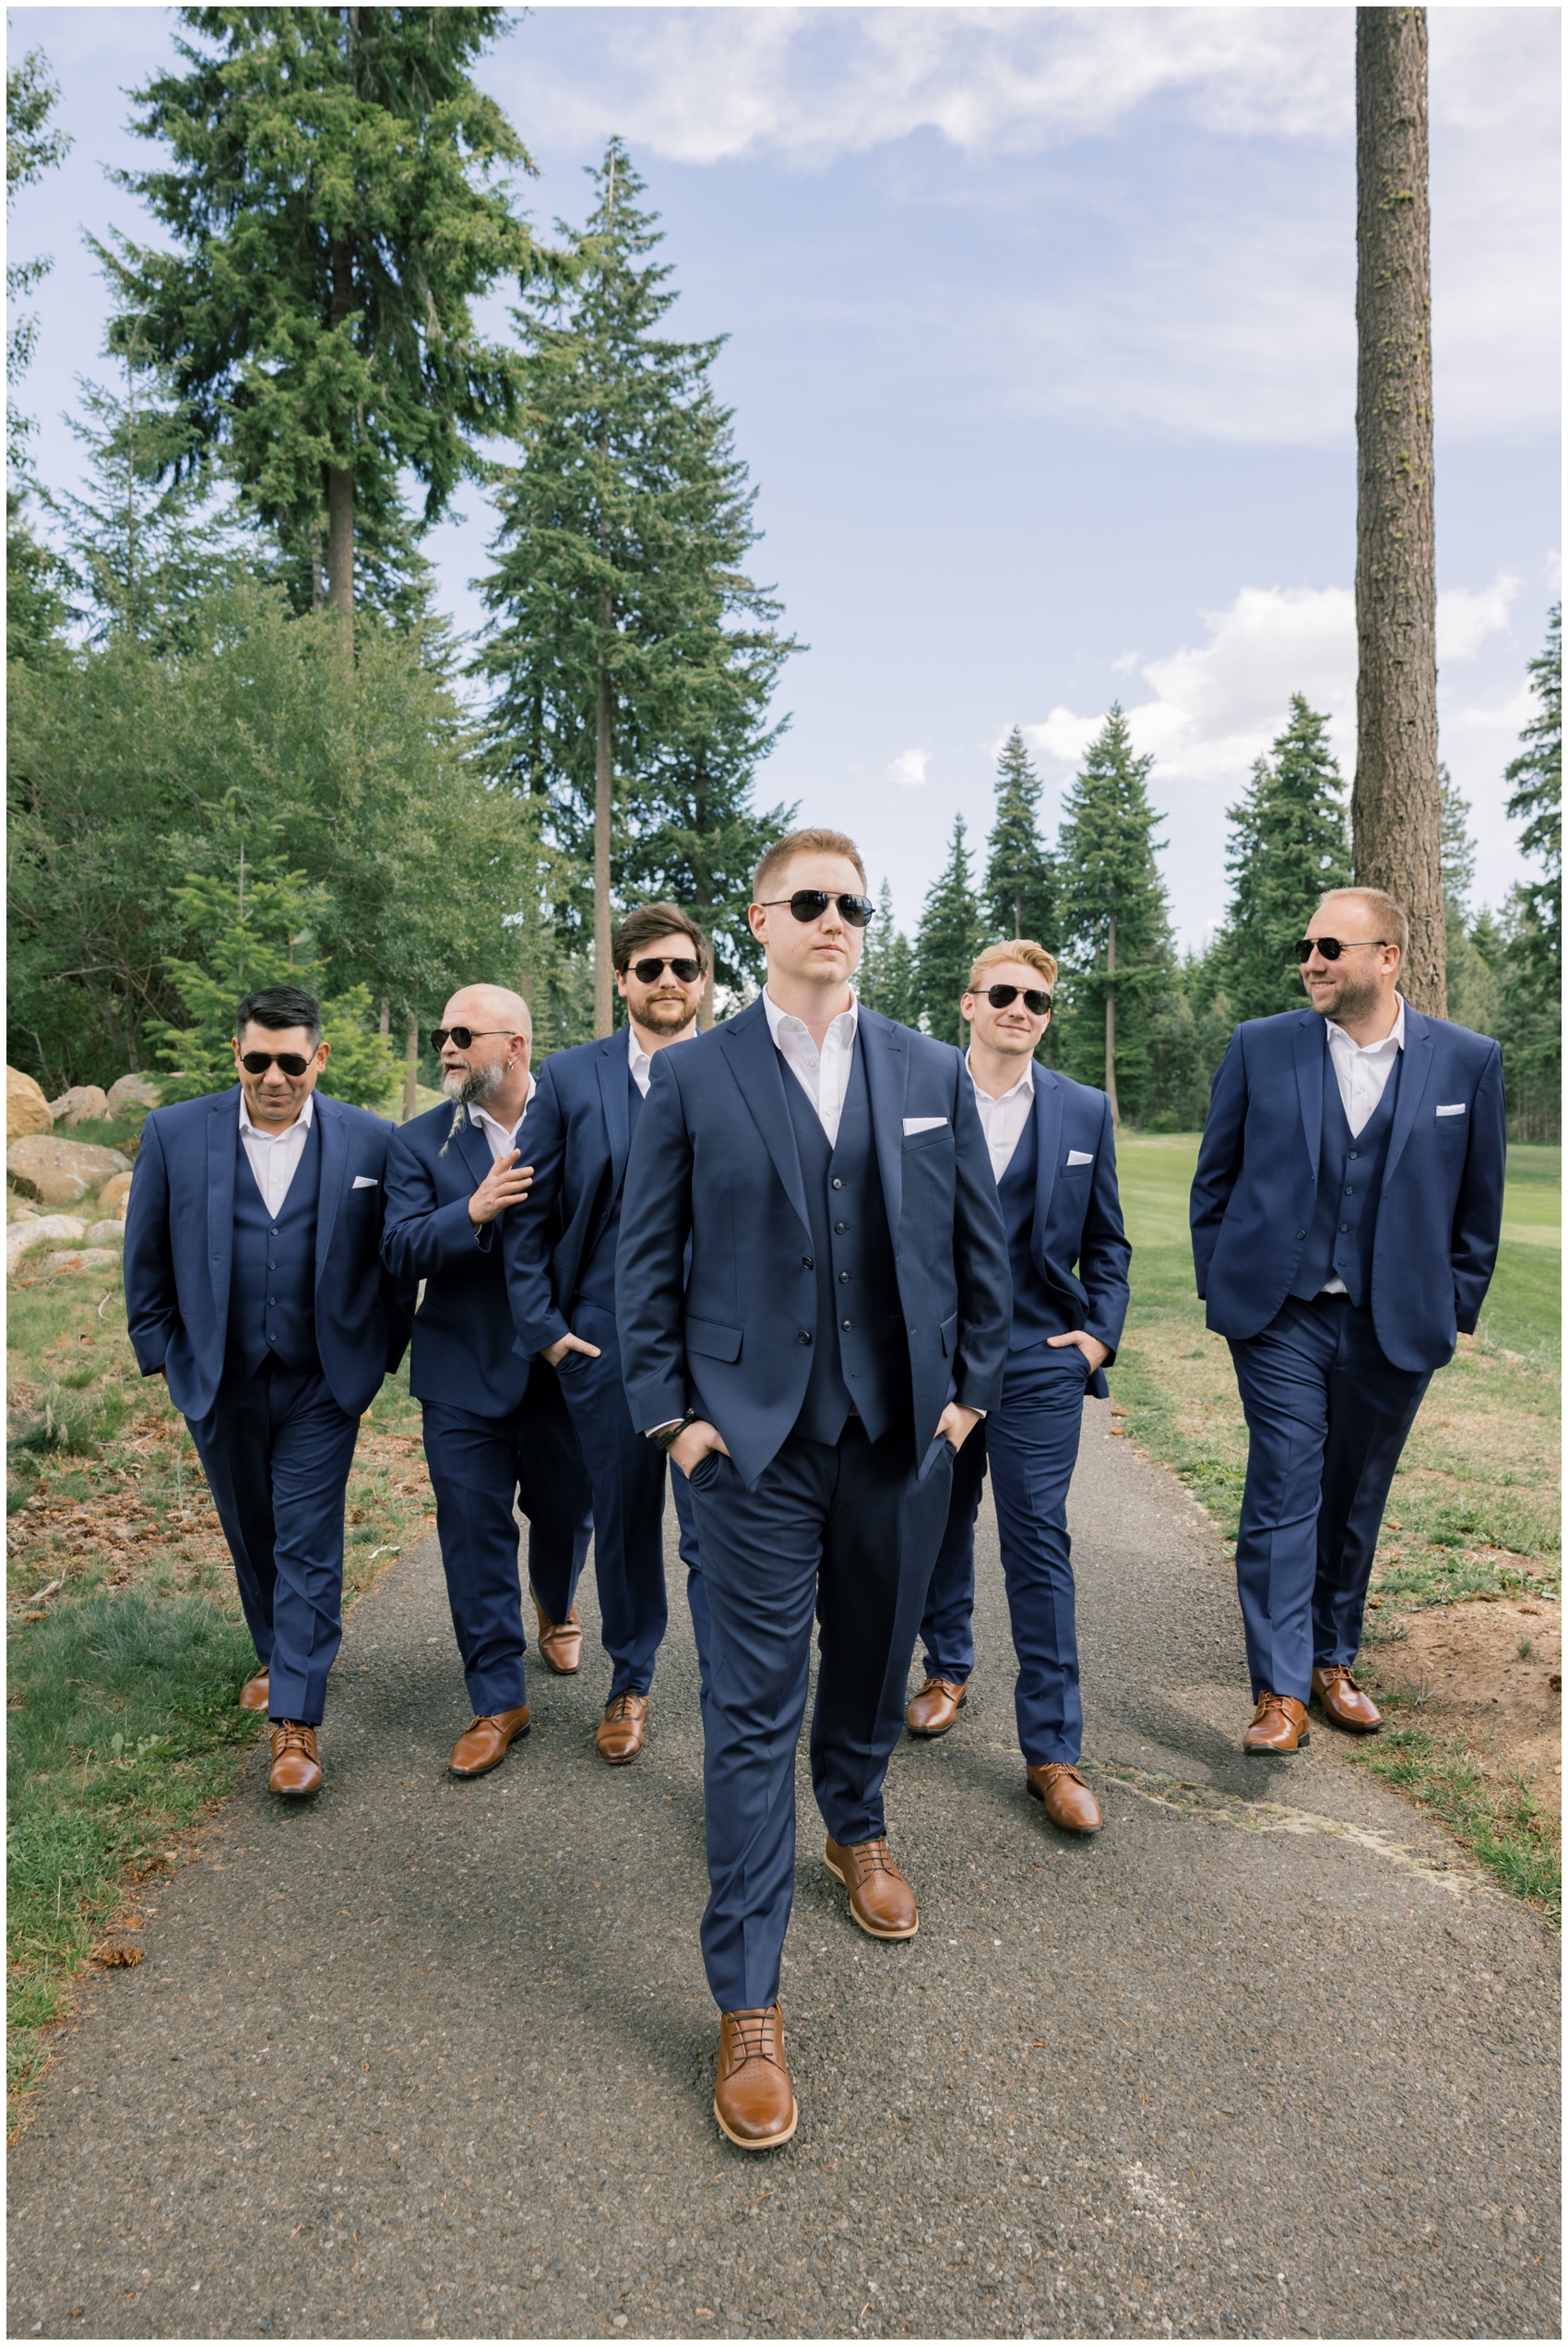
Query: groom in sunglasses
point(558, 1252)
point(1346, 1214)
point(813, 1311)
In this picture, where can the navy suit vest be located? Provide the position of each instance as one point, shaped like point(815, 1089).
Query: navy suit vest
point(1037, 1311)
point(1349, 1181)
point(597, 1281)
point(272, 1283)
point(860, 1355)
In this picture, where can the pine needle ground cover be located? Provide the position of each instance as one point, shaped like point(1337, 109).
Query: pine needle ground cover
point(1474, 1518)
point(126, 1646)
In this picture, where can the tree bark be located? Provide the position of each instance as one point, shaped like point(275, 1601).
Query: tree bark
point(340, 478)
point(1111, 1021)
point(1396, 806)
point(603, 783)
point(411, 1071)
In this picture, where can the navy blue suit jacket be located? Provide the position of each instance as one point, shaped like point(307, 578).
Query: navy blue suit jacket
point(714, 1162)
point(1440, 1210)
point(180, 1245)
point(463, 1348)
point(577, 1138)
point(1078, 1209)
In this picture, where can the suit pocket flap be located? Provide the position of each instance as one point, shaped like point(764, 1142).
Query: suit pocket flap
point(715, 1342)
point(950, 1333)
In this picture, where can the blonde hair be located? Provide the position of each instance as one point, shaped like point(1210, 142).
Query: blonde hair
point(784, 850)
point(1018, 948)
point(1389, 916)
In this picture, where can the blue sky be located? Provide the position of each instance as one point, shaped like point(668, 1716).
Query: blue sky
point(1042, 358)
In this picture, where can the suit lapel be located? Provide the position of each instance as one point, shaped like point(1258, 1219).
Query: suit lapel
point(473, 1149)
point(761, 1077)
point(222, 1149)
point(887, 1082)
point(334, 1139)
point(1413, 1075)
point(615, 1074)
point(1312, 1050)
point(1048, 1143)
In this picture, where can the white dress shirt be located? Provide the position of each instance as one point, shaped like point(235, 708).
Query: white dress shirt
point(275, 1156)
point(642, 1060)
point(1361, 1071)
point(823, 1076)
point(1002, 1119)
point(497, 1134)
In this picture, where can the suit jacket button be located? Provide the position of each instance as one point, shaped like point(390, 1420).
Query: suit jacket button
point(843, 1279)
point(807, 1263)
point(844, 1324)
point(804, 1337)
point(837, 1183)
point(1300, 1233)
point(840, 1228)
point(1344, 1226)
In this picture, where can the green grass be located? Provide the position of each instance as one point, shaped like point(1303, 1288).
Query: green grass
point(1501, 1823)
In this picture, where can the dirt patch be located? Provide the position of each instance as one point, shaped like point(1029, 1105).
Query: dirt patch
point(1462, 1670)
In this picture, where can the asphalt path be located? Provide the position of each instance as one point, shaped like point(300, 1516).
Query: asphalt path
point(424, 2059)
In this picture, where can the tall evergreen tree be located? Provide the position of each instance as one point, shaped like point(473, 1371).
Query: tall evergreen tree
point(35, 607)
point(1115, 923)
point(951, 933)
point(886, 980)
point(1019, 889)
point(1474, 951)
point(633, 658)
point(1288, 845)
point(1530, 1024)
point(330, 200)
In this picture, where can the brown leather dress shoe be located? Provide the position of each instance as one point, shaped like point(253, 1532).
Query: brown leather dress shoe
point(621, 1730)
point(880, 1899)
point(560, 1643)
point(1344, 1704)
point(936, 1706)
point(1067, 1800)
point(253, 1694)
point(296, 1768)
point(753, 2101)
point(1280, 1723)
point(484, 1744)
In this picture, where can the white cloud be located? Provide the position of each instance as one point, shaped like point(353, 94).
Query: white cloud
point(909, 769)
point(1465, 620)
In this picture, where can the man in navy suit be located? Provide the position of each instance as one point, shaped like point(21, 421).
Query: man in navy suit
point(1053, 1155)
point(843, 1326)
point(560, 1253)
point(254, 1283)
point(496, 1431)
point(1345, 1214)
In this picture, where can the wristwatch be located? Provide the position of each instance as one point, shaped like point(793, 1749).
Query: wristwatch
point(667, 1435)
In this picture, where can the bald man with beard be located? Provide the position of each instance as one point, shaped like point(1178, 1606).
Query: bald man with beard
point(496, 1432)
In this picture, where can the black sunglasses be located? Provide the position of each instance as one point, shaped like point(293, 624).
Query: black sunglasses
point(256, 1062)
point(1035, 1003)
point(686, 972)
point(462, 1036)
point(811, 903)
point(1331, 948)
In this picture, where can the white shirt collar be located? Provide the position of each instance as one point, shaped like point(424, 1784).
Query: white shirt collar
point(842, 1029)
point(300, 1125)
point(482, 1115)
point(641, 1060)
point(1025, 1083)
point(1393, 1040)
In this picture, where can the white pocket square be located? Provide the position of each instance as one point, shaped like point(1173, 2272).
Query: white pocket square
point(1076, 1156)
point(363, 1181)
point(1456, 1110)
point(923, 1124)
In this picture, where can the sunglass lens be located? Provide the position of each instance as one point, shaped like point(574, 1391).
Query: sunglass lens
point(999, 996)
point(256, 1062)
point(857, 910)
point(649, 973)
point(1328, 946)
point(809, 903)
point(687, 972)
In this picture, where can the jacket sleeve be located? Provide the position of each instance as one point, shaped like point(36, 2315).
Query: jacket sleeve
point(980, 1258)
point(1104, 1250)
point(651, 1263)
point(399, 1287)
point(1219, 1156)
point(1478, 1215)
point(420, 1236)
point(152, 1309)
point(528, 1232)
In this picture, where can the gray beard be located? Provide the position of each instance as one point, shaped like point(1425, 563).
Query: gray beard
point(474, 1086)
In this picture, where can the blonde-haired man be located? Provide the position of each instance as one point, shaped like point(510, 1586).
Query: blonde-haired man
point(1052, 1153)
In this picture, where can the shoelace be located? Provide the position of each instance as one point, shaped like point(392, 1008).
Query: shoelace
point(873, 1857)
point(1061, 1768)
point(296, 1737)
point(621, 1707)
point(1338, 1672)
point(751, 2035)
point(1270, 1702)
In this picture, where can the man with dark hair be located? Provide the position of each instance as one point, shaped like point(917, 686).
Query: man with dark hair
point(254, 1284)
point(841, 1331)
point(496, 1433)
point(559, 1249)
point(1345, 1214)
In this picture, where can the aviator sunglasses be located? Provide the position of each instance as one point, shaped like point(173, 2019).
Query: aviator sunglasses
point(1331, 948)
point(811, 903)
point(685, 971)
point(464, 1037)
point(256, 1062)
point(1035, 1003)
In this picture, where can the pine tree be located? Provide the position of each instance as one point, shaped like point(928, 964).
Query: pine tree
point(35, 606)
point(1019, 890)
point(1287, 846)
point(1114, 919)
point(1530, 1021)
point(330, 201)
point(951, 933)
point(886, 980)
point(633, 658)
point(1473, 984)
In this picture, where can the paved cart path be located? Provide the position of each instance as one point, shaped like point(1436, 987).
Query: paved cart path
point(427, 2058)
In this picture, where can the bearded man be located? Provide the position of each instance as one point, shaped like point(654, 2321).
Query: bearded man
point(496, 1432)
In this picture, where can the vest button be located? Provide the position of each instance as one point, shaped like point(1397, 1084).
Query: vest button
point(1354, 1153)
point(837, 1183)
point(845, 1325)
point(1349, 1191)
point(1300, 1233)
point(271, 1265)
point(807, 1263)
point(1344, 1226)
point(843, 1279)
point(840, 1228)
point(804, 1337)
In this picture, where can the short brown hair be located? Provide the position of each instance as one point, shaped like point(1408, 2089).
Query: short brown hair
point(793, 843)
point(646, 926)
point(1390, 917)
point(1017, 948)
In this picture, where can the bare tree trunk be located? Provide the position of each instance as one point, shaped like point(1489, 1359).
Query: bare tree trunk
point(340, 478)
point(1395, 806)
point(384, 1020)
point(604, 784)
point(411, 1071)
point(1111, 1021)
